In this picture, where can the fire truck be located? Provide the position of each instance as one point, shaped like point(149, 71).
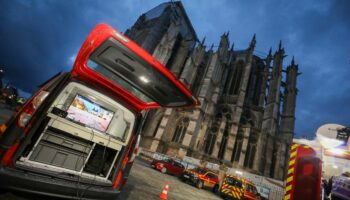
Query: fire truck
point(304, 174)
point(78, 135)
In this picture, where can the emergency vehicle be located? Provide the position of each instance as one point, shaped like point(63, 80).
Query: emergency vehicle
point(235, 188)
point(78, 135)
point(303, 179)
point(201, 178)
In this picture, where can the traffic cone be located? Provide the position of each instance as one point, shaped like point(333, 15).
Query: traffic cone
point(164, 194)
point(2, 128)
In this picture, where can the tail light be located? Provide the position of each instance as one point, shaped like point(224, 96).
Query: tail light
point(31, 107)
point(136, 149)
point(123, 184)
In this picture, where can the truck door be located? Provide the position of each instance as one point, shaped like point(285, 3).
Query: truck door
point(307, 175)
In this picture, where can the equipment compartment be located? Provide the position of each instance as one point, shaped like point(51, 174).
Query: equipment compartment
point(61, 150)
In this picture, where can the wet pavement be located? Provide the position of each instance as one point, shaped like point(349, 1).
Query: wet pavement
point(144, 183)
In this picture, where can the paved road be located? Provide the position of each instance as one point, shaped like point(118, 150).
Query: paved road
point(144, 183)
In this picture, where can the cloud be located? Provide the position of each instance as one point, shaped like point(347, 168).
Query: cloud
point(71, 59)
point(40, 38)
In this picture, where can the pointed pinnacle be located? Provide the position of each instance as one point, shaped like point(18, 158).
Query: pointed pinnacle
point(228, 32)
point(270, 52)
point(233, 44)
point(253, 41)
point(212, 46)
point(280, 45)
point(203, 41)
point(293, 62)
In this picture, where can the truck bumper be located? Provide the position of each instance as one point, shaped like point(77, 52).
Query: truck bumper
point(12, 179)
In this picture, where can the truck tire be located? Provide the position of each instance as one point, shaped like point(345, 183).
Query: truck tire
point(163, 170)
point(199, 184)
point(216, 189)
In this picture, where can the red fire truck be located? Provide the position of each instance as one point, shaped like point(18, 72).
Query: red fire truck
point(304, 174)
point(77, 136)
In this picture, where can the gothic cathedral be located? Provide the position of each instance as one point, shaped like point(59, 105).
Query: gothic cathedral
point(247, 112)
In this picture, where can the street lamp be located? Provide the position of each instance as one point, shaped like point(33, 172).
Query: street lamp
point(1, 76)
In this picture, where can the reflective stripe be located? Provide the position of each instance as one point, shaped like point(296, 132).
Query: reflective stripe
point(289, 187)
point(293, 154)
point(294, 146)
point(287, 197)
point(289, 179)
point(234, 194)
point(291, 170)
point(291, 162)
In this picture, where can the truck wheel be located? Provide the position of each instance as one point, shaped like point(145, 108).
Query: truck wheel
point(200, 184)
point(163, 170)
point(216, 189)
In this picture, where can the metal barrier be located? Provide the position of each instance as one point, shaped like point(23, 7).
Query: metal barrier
point(269, 188)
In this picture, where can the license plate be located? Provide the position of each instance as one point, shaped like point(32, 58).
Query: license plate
point(186, 176)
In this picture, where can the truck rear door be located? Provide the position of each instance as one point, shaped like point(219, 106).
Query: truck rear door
point(110, 59)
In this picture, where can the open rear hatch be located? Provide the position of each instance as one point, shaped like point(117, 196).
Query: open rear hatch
point(109, 58)
point(86, 131)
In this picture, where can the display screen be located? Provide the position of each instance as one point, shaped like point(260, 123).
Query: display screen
point(88, 113)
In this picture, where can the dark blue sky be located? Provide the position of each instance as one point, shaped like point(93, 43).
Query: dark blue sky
point(40, 38)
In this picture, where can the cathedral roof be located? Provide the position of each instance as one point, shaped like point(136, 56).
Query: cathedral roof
point(159, 10)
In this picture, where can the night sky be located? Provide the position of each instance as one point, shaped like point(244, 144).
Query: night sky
point(40, 38)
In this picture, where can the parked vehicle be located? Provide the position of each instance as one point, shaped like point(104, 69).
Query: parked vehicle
point(169, 166)
point(201, 178)
point(341, 188)
point(235, 188)
point(78, 135)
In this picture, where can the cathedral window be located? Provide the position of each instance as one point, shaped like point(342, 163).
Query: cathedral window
point(156, 129)
point(237, 77)
point(228, 81)
point(174, 53)
point(180, 131)
point(223, 142)
point(251, 150)
point(195, 86)
point(209, 142)
point(236, 154)
point(274, 160)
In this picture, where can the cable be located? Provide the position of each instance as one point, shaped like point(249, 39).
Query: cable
point(79, 177)
point(103, 156)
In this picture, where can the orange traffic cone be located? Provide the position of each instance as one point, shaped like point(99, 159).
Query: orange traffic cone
point(164, 194)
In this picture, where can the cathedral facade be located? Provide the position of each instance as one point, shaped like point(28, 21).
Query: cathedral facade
point(247, 112)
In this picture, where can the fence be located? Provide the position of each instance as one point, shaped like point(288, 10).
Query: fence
point(271, 189)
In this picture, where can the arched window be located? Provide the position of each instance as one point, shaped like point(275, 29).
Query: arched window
point(180, 131)
point(156, 129)
point(251, 149)
point(237, 77)
point(224, 142)
point(254, 84)
point(195, 86)
point(228, 81)
point(209, 142)
point(238, 147)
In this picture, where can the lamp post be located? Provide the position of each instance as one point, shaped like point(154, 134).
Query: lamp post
point(1, 76)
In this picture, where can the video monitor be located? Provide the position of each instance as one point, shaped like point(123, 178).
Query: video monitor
point(88, 113)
